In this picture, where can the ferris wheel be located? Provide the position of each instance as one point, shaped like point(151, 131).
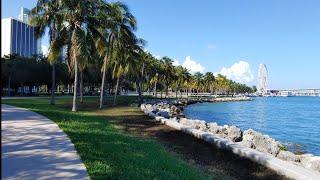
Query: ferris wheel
point(263, 75)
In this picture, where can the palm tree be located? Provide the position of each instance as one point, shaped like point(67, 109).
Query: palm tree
point(209, 80)
point(198, 81)
point(181, 74)
point(80, 30)
point(116, 19)
point(168, 72)
point(43, 16)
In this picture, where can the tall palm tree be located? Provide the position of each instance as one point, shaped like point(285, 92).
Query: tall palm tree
point(116, 19)
point(198, 81)
point(44, 16)
point(208, 81)
point(168, 72)
point(80, 25)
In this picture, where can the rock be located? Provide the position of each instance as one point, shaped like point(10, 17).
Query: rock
point(310, 161)
point(214, 128)
point(174, 119)
point(155, 111)
point(234, 133)
point(288, 156)
point(196, 124)
point(149, 107)
point(184, 121)
point(175, 110)
point(247, 138)
point(201, 125)
point(260, 142)
point(164, 114)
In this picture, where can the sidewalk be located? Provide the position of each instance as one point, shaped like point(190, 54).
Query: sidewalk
point(33, 147)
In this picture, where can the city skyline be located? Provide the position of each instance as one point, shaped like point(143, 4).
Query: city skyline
point(282, 35)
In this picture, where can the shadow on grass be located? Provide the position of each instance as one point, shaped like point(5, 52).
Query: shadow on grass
point(109, 152)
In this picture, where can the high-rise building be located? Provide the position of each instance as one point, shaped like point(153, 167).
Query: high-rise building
point(24, 15)
point(18, 37)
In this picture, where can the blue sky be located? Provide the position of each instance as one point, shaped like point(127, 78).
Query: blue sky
point(232, 37)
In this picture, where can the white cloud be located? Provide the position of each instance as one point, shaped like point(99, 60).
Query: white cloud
point(176, 62)
point(192, 65)
point(212, 46)
point(239, 71)
point(44, 50)
point(157, 56)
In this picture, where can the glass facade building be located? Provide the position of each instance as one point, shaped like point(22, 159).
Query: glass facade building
point(18, 38)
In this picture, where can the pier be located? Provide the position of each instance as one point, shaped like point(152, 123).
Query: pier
point(300, 92)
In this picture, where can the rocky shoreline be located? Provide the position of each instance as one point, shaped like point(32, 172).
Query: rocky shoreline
point(172, 111)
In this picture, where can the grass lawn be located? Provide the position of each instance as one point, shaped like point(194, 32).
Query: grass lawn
point(106, 150)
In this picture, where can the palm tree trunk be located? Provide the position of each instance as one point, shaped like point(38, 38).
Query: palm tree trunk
point(74, 103)
point(140, 85)
point(52, 102)
point(115, 94)
point(167, 89)
point(176, 90)
point(187, 94)
point(103, 85)
point(81, 87)
point(9, 82)
point(155, 89)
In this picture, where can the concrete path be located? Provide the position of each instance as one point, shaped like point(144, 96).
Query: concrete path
point(33, 147)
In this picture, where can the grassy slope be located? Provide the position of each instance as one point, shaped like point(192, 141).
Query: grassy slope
point(108, 152)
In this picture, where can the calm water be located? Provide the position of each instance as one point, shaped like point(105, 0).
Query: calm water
point(295, 121)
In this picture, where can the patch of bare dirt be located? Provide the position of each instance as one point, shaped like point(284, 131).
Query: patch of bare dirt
point(195, 151)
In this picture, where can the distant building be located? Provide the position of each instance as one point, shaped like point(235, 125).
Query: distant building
point(18, 37)
point(24, 15)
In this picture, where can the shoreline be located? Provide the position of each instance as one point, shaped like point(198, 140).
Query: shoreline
point(244, 143)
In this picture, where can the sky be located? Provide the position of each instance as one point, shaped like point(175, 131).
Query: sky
point(229, 37)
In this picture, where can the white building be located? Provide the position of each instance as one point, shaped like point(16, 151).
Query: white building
point(18, 37)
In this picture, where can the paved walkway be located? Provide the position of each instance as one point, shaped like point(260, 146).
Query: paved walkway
point(33, 147)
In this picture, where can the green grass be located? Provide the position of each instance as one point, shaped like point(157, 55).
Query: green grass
point(107, 151)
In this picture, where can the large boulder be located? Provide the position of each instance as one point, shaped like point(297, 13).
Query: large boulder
point(310, 161)
point(164, 114)
point(200, 124)
point(260, 142)
point(214, 128)
point(149, 107)
point(175, 110)
point(288, 156)
point(184, 121)
point(196, 124)
point(234, 133)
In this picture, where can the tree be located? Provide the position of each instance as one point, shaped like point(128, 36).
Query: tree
point(115, 19)
point(44, 16)
point(78, 32)
point(168, 70)
point(198, 81)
